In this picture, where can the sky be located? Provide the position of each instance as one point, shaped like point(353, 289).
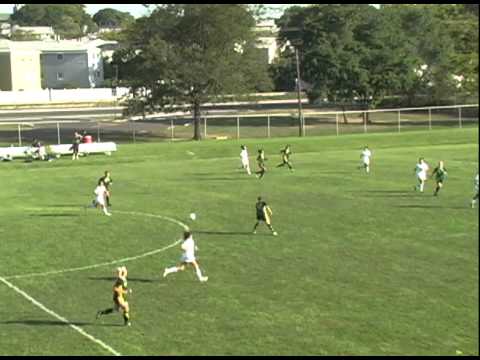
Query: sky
point(136, 10)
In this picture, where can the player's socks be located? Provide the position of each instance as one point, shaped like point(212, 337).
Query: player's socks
point(170, 270)
point(199, 274)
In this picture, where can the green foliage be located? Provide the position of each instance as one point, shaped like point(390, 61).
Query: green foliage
point(359, 52)
point(111, 18)
point(68, 20)
point(189, 53)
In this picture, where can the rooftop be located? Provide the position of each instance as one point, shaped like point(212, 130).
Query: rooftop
point(52, 45)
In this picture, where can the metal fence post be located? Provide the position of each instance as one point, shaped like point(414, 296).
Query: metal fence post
point(365, 122)
point(98, 132)
point(19, 135)
point(336, 123)
point(133, 132)
point(58, 133)
point(172, 129)
point(429, 118)
point(268, 125)
point(205, 127)
point(238, 127)
point(460, 117)
point(399, 121)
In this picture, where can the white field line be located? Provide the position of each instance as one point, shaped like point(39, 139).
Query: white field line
point(61, 318)
point(131, 258)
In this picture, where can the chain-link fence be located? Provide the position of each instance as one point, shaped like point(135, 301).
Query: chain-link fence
point(241, 126)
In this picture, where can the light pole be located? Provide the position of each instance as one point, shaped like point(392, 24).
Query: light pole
point(115, 92)
point(301, 131)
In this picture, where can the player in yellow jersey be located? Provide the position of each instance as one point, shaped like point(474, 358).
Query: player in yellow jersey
point(120, 290)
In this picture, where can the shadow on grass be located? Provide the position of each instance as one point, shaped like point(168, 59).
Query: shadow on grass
point(54, 215)
point(219, 178)
point(111, 278)
point(386, 193)
point(229, 233)
point(415, 206)
point(53, 323)
point(63, 205)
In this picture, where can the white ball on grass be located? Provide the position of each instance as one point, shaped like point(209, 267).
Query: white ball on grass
point(193, 216)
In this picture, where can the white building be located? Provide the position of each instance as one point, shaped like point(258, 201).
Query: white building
point(39, 32)
point(267, 33)
point(51, 64)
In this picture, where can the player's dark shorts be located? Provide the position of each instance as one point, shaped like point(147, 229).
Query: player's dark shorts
point(261, 218)
point(75, 148)
point(476, 196)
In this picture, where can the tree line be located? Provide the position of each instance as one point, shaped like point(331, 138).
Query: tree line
point(349, 54)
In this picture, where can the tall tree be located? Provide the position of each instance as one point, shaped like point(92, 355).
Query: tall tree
point(68, 20)
point(112, 18)
point(191, 53)
point(348, 51)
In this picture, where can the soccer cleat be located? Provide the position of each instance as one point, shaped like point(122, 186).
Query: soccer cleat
point(128, 323)
point(254, 232)
point(204, 279)
point(165, 273)
point(99, 313)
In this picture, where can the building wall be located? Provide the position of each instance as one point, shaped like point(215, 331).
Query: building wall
point(5, 72)
point(65, 70)
point(95, 67)
point(25, 70)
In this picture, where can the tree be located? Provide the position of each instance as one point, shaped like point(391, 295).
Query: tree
point(349, 53)
point(444, 40)
point(111, 18)
point(191, 53)
point(68, 20)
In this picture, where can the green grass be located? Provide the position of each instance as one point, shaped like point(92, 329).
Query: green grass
point(362, 265)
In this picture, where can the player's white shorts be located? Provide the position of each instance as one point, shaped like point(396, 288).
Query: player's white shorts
point(422, 176)
point(245, 163)
point(100, 200)
point(366, 161)
point(186, 259)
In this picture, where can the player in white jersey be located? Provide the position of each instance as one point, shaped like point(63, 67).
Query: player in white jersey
point(244, 158)
point(101, 193)
point(365, 156)
point(421, 171)
point(475, 190)
point(188, 257)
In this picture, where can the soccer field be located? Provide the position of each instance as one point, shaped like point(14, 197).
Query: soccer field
point(363, 265)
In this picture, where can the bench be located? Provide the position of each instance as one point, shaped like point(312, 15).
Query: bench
point(62, 149)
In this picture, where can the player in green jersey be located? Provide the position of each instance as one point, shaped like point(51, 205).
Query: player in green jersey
point(264, 213)
point(261, 164)
point(107, 181)
point(440, 174)
point(286, 152)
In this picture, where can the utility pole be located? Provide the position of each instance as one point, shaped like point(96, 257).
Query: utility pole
point(300, 110)
point(115, 92)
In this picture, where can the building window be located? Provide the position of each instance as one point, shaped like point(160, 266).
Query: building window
point(60, 57)
point(60, 76)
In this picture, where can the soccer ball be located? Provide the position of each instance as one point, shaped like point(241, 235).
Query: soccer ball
point(193, 216)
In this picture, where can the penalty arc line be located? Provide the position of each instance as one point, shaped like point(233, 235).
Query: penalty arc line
point(64, 320)
point(149, 253)
point(61, 318)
